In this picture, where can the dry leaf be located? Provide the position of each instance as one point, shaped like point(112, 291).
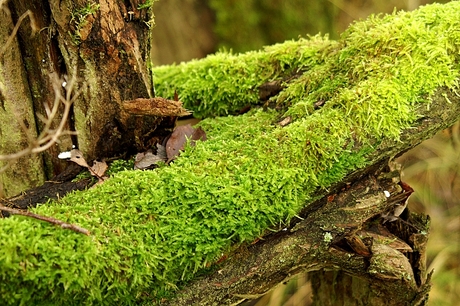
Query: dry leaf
point(98, 169)
point(147, 159)
point(77, 157)
point(179, 138)
point(161, 152)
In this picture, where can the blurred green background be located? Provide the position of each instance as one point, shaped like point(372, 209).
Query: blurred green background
point(187, 29)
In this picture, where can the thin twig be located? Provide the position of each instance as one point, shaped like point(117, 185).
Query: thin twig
point(48, 137)
point(51, 220)
point(33, 25)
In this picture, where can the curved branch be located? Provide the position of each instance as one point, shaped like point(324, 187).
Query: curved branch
point(339, 231)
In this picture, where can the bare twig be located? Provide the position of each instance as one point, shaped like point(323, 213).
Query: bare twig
point(33, 25)
point(48, 137)
point(51, 220)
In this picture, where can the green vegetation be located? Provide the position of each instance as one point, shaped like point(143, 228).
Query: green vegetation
point(148, 4)
point(251, 24)
point(79, 19)
point(152, 230)
point(224, 83)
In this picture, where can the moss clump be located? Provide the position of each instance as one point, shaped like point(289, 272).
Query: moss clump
point(224, 83)
point(79, 19)
point(382, 68)
point(152, 230)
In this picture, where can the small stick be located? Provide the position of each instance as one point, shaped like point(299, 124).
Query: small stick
point(62, 224)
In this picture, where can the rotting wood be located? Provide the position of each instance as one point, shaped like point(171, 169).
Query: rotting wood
point(157, 106)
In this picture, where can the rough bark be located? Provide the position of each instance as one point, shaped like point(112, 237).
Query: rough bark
point(17, 122)
point(342, 231)
point(104, 48)
point(42, 65)
point(107, 48)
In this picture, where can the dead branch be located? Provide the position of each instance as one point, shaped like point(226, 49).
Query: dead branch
point(51, 220)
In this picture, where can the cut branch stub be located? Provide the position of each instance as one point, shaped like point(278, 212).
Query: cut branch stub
point(158, 106)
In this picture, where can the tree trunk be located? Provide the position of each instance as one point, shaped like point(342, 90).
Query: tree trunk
point(100, 52)
point(106, 46)
point(17, 121)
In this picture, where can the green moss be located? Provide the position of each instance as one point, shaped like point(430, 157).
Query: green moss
point(79, 20)
point(148, 4)
point(151, 230)
point(224, 83)
point(120, 165)
point(378, 80)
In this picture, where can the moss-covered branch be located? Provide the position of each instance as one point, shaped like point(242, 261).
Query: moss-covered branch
point(382, 88)
point(312, 242)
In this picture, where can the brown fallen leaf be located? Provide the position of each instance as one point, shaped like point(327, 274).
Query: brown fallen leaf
point(179, 138)
point(99, 168)
point(77, 157)
point(147, 159)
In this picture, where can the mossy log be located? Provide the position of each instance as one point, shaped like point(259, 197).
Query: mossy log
point(317, 179)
